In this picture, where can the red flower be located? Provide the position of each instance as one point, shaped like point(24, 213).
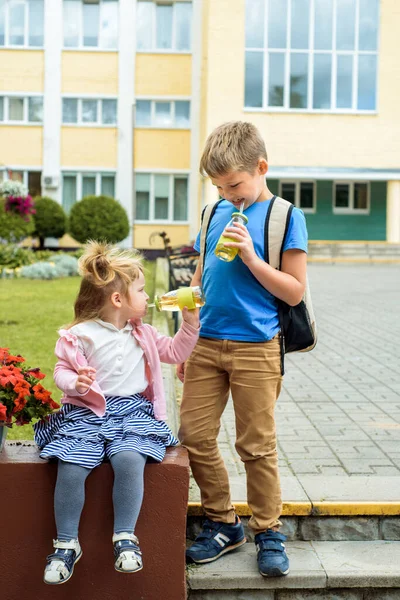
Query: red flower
point(36, 373)
point(3, 412)
point(10, 374)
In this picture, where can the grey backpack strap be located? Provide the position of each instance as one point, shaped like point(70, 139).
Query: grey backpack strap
point(276, 224)
point(206, 217)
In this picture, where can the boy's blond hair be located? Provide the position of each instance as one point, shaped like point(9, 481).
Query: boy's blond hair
point(233, 146)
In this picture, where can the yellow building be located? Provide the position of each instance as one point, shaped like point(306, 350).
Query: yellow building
point(118, 96)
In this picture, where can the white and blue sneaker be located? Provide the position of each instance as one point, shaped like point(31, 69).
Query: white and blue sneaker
point(215, 540)
point(272, 559)
point(60, 564)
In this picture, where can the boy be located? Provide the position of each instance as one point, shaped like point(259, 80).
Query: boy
point(239, 350)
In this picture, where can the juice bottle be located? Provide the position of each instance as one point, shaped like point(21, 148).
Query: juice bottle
point(228, 254)
point(192, 297)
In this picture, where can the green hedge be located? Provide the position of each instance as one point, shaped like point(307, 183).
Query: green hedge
point(98, 218)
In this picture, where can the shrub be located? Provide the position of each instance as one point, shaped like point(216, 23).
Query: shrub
point(98, 218)
point(61, 265)
point(9, 187)
point(12, 256)
point(13, 227)
point(50, 219)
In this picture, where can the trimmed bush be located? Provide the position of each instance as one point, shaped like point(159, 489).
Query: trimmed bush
point(13, 227)
point(98, 218)
point(50, 219)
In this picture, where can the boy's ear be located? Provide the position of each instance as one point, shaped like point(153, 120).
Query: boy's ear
point(116, 299)
point(262, 166)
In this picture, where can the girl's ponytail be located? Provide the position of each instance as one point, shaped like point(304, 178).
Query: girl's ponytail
point(96, 263)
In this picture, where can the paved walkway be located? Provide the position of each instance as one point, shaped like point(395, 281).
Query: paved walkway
point(338, 416)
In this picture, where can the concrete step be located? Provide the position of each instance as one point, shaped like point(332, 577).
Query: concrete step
point(318, 571)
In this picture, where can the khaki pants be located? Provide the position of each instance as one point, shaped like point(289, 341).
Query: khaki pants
point(252, 371)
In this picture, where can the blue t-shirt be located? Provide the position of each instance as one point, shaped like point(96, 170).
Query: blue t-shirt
point(237, 306)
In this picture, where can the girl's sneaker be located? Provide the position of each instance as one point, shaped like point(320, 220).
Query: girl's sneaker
point(128, 556)
point(60, 564)
point(272, 559)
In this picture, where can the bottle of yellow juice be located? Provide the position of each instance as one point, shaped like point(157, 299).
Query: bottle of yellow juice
point(192, 297)
point(224, 253)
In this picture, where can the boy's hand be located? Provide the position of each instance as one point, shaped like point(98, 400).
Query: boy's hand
point(180, 371)
point(86, 376)
point(191, 317)
point(243, 242)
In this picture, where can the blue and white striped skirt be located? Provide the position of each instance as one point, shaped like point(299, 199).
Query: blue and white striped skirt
point(78, 436)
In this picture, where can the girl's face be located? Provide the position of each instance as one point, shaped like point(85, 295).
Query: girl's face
point(137, 299)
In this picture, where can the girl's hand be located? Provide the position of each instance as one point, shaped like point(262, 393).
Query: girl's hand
point(242, 241)
point(191, 317)
point(180, 371)
point(86, 376)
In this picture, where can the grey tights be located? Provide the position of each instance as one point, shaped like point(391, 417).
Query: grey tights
point(69, 496)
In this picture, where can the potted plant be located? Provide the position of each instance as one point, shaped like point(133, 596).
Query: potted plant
point(22, 396)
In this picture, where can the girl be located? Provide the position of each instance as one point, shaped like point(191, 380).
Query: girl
point(113, 405)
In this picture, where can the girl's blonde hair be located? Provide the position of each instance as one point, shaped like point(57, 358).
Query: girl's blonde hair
point(105, 269)
point(233, 146)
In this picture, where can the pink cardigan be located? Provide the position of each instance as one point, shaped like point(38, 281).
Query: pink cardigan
point(157, 348)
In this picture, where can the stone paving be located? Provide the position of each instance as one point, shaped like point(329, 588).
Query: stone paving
point(338, 415)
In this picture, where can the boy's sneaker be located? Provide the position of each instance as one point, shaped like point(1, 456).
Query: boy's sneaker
point(271, 554)
point(215, 540)
point(128, 556)
point(60, 564)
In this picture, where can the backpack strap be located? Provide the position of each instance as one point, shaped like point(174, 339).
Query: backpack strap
point(276, 225)
point(206, 216)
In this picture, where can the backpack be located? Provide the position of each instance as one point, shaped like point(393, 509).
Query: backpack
point(298, 325)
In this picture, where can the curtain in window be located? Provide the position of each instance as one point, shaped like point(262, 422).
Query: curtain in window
point(36, 22)
point(109, 112)
point(142, 184)
point(88, 185)
point(109, 24)
point(17, 22)
point(69, 192)
point(71, 20)
point(183, 25)
point(35, 109)
point(180, 198)
point(108, 185)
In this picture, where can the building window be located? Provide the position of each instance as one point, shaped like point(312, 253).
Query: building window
point(161, 197)
point(22, 23)
point(88, 111)
point(30, 179)
point(174, 114)
point(351, 197)
point(301, 194)
point(314, 55)
point(90, 24)
point(17, 110)
point(76, 186)
point(163, 27)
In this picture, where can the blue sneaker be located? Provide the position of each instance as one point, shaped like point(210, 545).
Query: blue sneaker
point(271, 554)
point(215, 540)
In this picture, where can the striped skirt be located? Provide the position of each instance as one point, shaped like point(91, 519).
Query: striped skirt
point(78, 436)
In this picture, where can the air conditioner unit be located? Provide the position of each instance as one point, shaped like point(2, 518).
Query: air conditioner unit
point(50, 181)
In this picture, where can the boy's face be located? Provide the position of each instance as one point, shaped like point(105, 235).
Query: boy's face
point(242, 186)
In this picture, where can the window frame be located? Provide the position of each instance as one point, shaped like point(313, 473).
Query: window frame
point(172, 100)
point(351, 210)
point(80, 45)
point(96, 172)
point(80, 123)
point(153, 34)
point(25, 121)
point(172, 175)
point(311, 51)
point(25, 45)
point(297, 183)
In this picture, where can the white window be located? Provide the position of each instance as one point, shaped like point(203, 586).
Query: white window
point(300, 193)
point(311, 55)
point(76, 186)
point(351, 197)
point(90, 24)
point(22, 23)
point(161, 197)
point(163, 26)
point(18, 110)
point(89, 111)
point(30, 179)
point(174, 114)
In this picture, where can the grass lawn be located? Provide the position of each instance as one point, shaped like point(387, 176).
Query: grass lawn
point(31, 312)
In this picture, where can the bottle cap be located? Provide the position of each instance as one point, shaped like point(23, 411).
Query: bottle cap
point(185, 298)
point(239, 214)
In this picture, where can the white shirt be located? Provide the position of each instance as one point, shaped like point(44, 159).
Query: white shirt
point(116, 356)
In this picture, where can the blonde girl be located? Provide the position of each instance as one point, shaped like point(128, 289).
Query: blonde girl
point(109, 369)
